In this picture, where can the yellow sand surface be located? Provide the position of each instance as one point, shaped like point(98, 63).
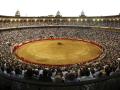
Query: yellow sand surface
point(58, 52)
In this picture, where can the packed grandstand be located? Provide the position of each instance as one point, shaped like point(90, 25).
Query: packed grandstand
point(104, 30)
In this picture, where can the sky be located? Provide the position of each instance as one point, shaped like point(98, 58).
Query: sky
point(66, 7)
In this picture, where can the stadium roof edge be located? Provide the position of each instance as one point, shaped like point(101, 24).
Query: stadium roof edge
point(60, 17)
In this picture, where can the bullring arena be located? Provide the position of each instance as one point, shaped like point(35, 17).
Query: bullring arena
point(59, 46)
point(58, 51)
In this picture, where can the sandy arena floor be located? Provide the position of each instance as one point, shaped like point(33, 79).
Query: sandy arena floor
point(58, 52)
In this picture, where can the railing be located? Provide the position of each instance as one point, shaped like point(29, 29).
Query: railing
point(10, 83)
point(45, 26)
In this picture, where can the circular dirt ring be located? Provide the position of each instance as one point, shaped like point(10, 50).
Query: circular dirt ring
point(59, 52)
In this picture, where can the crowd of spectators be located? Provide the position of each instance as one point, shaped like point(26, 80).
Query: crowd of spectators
point(108, 66)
